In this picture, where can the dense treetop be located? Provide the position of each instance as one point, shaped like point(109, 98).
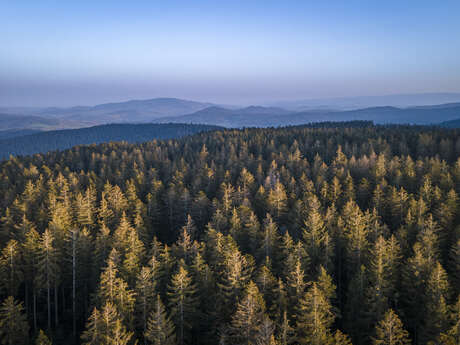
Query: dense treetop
point(328, 234)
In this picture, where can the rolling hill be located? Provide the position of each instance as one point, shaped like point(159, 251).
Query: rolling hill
point(130, 111)
point(63, 139)
point(451, 124)
point(351, 103)
point(16, 123)
point(273, 117)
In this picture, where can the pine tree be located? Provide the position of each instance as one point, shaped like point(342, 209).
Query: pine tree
point(438, 292)
point(145, 296)
point(451, 336)
point(269, 238)
point(42, 339)
point(11, 275)
point(286, 332)
point(182, 300)
point(48, 268)
point(103, 246)
point(267, 284)
point(160, 328)
point(315, 233)
point(31, 250)
point(106, 328)
point(185, 245)
point(315, 317)
point(114, 290)
point(130, 248)
point(14, 329)
point(265, 334)
point(356, 233)
point(277, 201)
point(94, 333)
point(236, 272)
point(339, 339)
point(85, 207)
point(356, 319)
point(382, 277)
point(454, 263)
point(247, 321)
point(296, 286)
point(390, 331)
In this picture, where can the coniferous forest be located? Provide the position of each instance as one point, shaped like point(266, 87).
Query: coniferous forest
point(325, 235)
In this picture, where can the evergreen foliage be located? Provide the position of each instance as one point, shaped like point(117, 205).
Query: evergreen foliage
point(327, 234)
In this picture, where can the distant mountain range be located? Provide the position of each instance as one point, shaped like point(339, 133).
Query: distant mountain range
point(130, 111)
point(267, 117)
point(35, 122)
point(135, 111)
point(20, 121)
point(352, 103)
point(63, 139)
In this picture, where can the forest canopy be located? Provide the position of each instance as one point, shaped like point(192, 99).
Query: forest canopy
point(329, 234)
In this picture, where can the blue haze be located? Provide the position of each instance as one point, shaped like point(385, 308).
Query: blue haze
point(86, 52)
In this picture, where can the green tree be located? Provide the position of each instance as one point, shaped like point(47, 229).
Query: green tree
point(160, 328)
point(269, 238)
point(339, 339)
point(114, 290)
point(10, 268)
point(315, 317)
point(451, 336)
point(247, 321)
point(183, 303)
point(145, 295)
point(14, 328)
point(42, 339)
point(390, 331)
point(48, 268)
point(106, 328)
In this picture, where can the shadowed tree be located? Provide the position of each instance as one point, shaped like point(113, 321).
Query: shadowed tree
point(14, 329)
point(160, 328)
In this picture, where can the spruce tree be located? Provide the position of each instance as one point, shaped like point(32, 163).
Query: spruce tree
point(11, 275)
point(247, 321)
point(14, 328)
point(160, 328)
point(183, 303)
point(42, 339)
point(315, 317)
point(48, 268)
point(390, 331)
point(106, 328)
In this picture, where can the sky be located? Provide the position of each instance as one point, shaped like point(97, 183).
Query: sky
point(63, 53)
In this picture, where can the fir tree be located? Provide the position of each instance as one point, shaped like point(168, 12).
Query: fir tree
point(160, 328)
point(14, 328)
point(42, 339)
point(390, 331)
point(247, 321)
point(183, 303)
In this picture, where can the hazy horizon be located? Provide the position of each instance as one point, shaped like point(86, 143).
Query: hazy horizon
point(266, 103)
point(67, 54)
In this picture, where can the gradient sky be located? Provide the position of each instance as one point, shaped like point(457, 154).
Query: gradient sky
point(87, 52)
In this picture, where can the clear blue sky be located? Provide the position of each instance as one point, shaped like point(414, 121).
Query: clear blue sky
point(87, 52)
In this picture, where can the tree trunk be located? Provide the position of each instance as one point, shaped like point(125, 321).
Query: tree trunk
point(35, 309)
point(74, 264)
point(56, 297)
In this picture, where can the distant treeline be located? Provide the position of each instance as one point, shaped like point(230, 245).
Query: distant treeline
point(64, 139)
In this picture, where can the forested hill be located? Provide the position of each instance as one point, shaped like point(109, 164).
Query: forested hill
point(334, 235)
point(63, 139)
